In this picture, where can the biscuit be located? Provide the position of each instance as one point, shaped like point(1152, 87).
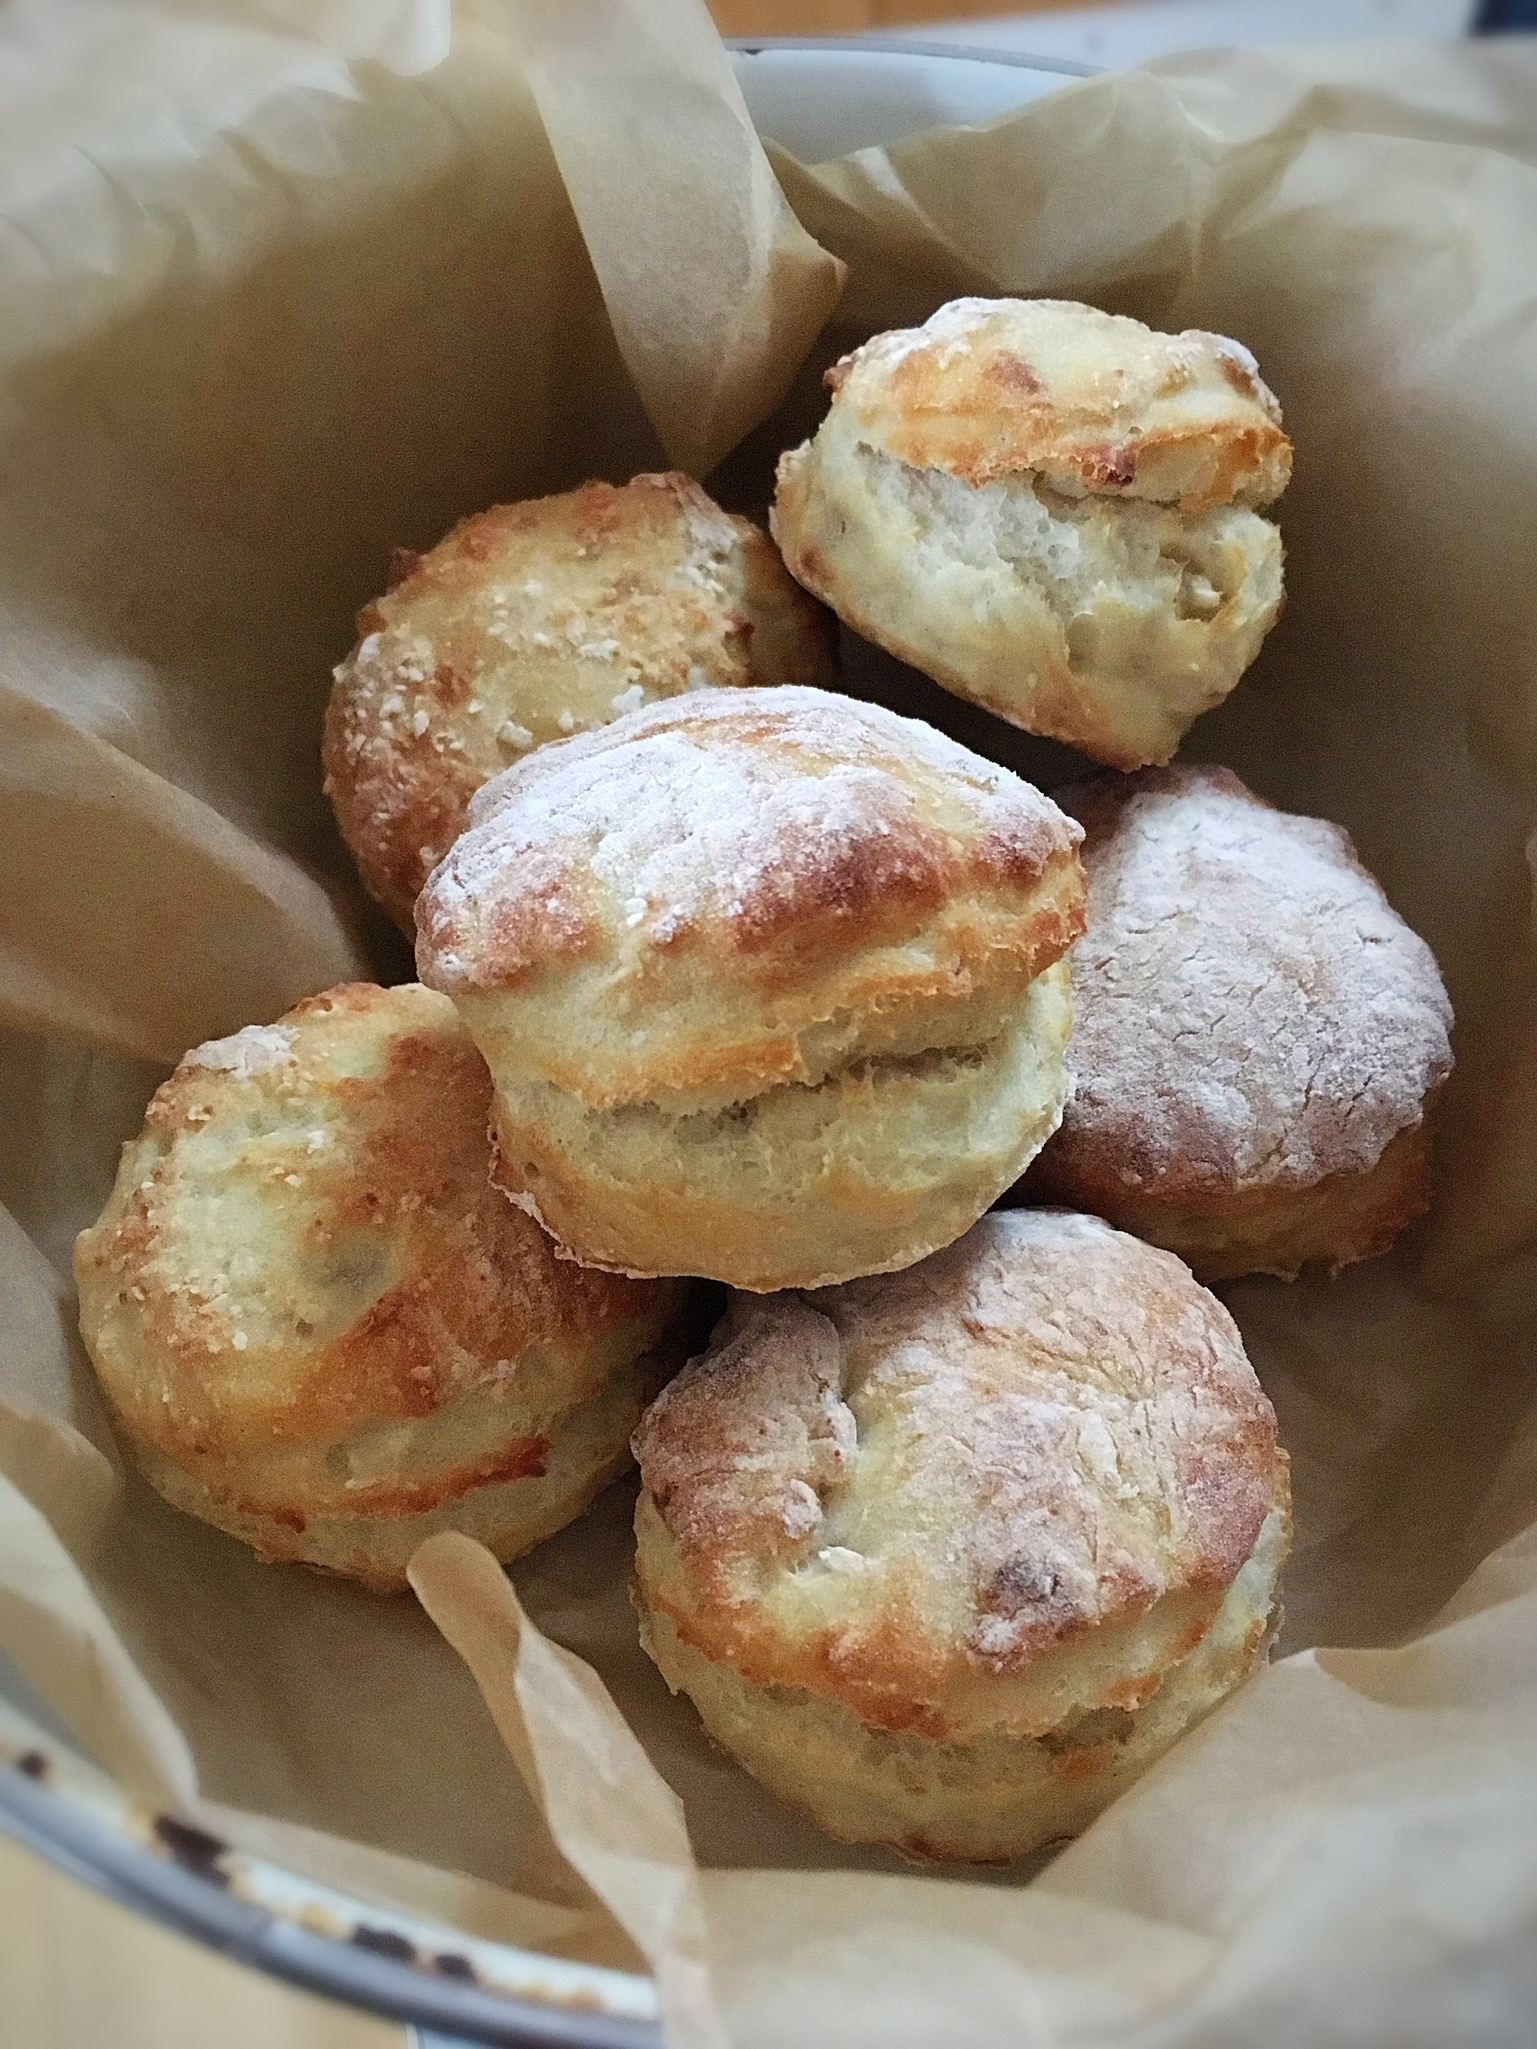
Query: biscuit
point(536, 620)
point(321, 1328)
point(946, 1558)
point(1257, 1033)
point(767, 982)
point(1050, 510)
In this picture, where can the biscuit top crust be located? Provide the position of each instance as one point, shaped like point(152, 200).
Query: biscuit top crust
point(894, 1490)
point(532, 621)
point(1088, 402)
point(303, 1244)
point(1249, 1009)
point(742, 887)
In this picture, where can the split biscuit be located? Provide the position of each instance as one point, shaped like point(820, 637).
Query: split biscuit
point(768, 981)
point(321, 1328)
point(1051, 510)
point(945, 1558)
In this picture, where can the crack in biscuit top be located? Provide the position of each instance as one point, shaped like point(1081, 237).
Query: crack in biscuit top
point(753, 844)
point(888, 1488)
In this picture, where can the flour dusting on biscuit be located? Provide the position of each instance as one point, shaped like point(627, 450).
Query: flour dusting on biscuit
point(769, 981)
point(1257, 1036)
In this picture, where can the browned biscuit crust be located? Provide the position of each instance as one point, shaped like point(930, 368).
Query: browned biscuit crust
point(745, 888)
point(536, 620)
point(317, 1321)
point(1088, 401)
point(1343, 1218)
point(1051, 510)
point(1257, 1033)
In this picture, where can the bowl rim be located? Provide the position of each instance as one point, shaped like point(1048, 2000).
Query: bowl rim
point(900, 46)
point(385, 1960)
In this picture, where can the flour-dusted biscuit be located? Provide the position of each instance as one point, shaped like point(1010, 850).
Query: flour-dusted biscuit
point(768, 981)
point(946, 1557)
point(536, 620)
point(1051, 510)
point(1257, 1033)
point(322, 1329)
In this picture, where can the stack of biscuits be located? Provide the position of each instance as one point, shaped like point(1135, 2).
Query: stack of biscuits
point(952, 1516)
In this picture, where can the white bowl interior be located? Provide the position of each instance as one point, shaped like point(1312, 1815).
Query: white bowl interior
point(823, 100)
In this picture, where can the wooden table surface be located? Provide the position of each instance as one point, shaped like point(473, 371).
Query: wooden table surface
point(77, 1971)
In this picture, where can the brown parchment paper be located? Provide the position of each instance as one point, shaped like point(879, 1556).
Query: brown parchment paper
point(657, 152)
point(285, 285)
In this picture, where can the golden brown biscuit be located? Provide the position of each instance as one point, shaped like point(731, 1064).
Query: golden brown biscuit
point(1257, 1033)
point(536, 620)
point(946, 1558)
point(323, 1330)
point(1048, 509)
point(766, 982)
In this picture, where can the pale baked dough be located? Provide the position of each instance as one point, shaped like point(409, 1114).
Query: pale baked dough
point(945, 1558)
point(868, 1169)
point(323, 1330)
point(1257, 1033)
point(536, 620)
point(1051, 510)
point(763, 980)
